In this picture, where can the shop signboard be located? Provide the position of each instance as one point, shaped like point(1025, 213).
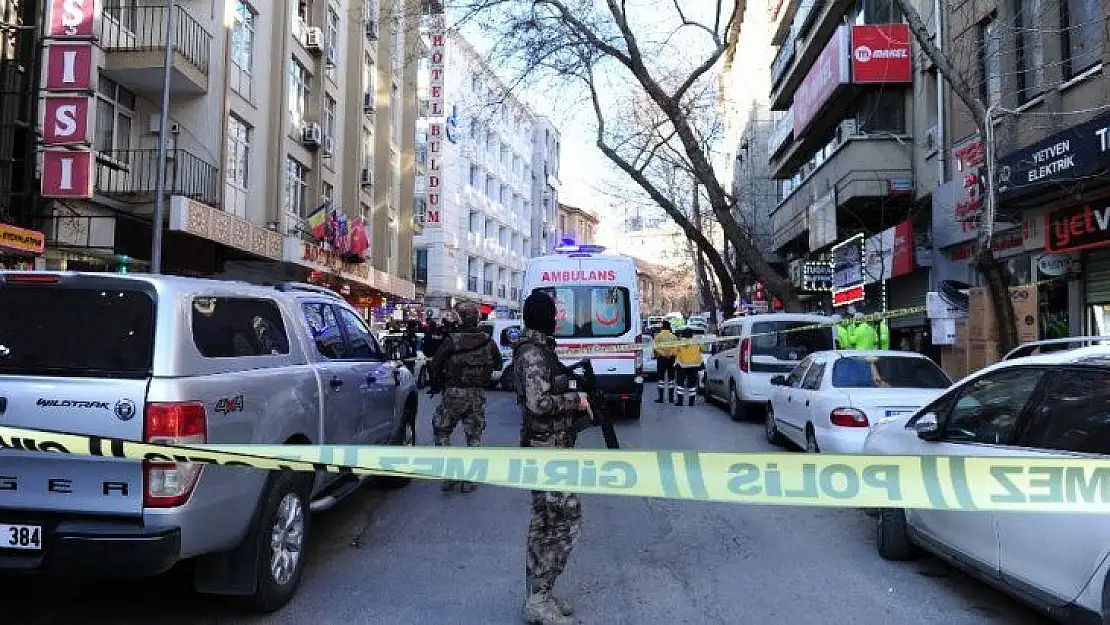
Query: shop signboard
point(1077, 227)
point(67, 174)
point(437, 53)
point(881, 54)
point(902, 257)
point(878, 254)
point(1078, 152)
point(1056, 265)
point(847, 271)
point(73, 19)
point(829, 72)
point(817, 276)
point(67, 120)
point(21, 240)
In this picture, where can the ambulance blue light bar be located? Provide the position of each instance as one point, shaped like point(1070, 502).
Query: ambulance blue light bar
point(585, 249)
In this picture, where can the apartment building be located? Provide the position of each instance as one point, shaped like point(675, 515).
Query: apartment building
point(545, 185)
point(290, 142)
point(574, 224)
point(1040, 67)
point(476, 252)
point(856, 171)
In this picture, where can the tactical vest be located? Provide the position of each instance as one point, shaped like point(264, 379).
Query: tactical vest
point(470, 367)
point(542, 430)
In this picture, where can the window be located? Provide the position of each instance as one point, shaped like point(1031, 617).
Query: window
point(115, 110)
point(238, 165)
point(242, 48)
point(987, 410)
point(324, 326)
point(296, 187)
point(795, 377)
point(367, 149)
point(475, 176)
point(330, 117)
point(782, 340)
point(299, 90)
point(328, 192)
point(331, 42)
point(882, 110)
point(888, 372)
point(420, 266)
point(362, 343)
point(76, 332)
point(1082, 37)
point(814, 376)
point(877, 12)
point(368, 77)
point(1031, 18)
point(232, 327)
point(590, 311)
point(990, 62)
point(1074, 416)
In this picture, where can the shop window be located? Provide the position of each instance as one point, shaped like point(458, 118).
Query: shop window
point(233, 327)
point(115, 112)
point(1082, 35)
point(1030, 17)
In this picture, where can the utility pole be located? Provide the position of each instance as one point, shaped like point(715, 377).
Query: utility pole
point(163, 125)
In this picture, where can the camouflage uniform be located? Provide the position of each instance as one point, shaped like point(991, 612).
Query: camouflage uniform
point(464, 362)
point(549, 409)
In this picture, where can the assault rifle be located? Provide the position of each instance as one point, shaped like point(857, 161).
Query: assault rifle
point(587, 383)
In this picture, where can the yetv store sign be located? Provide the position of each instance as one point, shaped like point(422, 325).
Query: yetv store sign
point(881, 54)
point(1077, 228)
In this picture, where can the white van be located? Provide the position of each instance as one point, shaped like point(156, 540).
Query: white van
point(757, 348)
point(598, 301)
point(504, 333)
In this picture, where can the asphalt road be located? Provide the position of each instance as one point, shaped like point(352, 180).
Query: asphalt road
point(419, 556)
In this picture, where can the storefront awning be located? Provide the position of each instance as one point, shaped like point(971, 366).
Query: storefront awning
point(317, 258)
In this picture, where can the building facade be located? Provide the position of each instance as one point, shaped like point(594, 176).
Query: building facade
point(290, 129)
point(477, 251)
point(545, 185)
point(575, 224)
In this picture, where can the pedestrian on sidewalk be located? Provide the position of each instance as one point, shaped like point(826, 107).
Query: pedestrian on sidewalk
point(687, 365)
point(462, 369)
point(549, 410)
point(664, 361)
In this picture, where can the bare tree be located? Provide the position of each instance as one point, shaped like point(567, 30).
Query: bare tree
point(994, 272)
point(593, 45)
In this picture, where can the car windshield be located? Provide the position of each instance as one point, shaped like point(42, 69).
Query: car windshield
point(591, 311)
point(789, 340)
point(888, 372)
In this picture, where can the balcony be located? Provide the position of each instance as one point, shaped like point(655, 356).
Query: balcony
point(812, 27)
point(135, 39)
point(131, 176)
point(861, 169)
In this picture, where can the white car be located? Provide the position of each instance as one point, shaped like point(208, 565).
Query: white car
point(831, 399)
point(1053, 405)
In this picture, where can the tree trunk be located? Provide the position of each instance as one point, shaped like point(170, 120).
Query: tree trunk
point(992, 271)
point(705, 293)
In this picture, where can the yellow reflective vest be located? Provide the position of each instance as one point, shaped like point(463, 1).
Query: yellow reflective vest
point(666, 336)
point(688, 355)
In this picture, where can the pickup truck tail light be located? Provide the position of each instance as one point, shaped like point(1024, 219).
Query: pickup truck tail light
point(170, 484)
point(746, 355)
point(848, 418)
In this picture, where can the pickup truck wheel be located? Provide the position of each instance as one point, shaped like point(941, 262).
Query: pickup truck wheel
point(405, 438)
point(632, 409)
point(282, 536)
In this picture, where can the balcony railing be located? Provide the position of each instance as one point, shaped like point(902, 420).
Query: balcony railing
point(130, 28)
point(132, 176)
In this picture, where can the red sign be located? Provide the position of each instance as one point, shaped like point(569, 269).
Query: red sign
point(901, 261)
point(69, 67)
point(607, 275)
point(848, 296)
point(829, 71)
point(67, 174)
point(67, 121)
point(72, 19)
point(1077, 228)
point(881, 54)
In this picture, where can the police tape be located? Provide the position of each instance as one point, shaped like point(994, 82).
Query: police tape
point(1024, 484)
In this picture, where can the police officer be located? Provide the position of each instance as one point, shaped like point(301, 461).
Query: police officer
point(462, 368)
point(549, 410)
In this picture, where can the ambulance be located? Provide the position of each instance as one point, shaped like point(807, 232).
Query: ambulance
point(597, 298)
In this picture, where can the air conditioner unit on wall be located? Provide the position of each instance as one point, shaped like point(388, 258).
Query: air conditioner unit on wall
point(312, 135)
point(314, 39)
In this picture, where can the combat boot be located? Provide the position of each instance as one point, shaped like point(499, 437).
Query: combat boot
point(670, 395)
point(692, 396)
point(448, 485)
point(660, 400)
point(539, 609)
point(468, 487)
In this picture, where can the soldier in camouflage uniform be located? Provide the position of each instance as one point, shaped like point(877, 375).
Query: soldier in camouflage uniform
point(462, 368)
point(549, 409)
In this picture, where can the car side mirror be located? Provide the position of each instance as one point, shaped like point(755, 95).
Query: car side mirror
point(927, 426)
point(779, 380)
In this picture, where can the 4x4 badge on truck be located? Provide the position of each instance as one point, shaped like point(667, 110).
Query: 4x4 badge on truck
point(125, 409)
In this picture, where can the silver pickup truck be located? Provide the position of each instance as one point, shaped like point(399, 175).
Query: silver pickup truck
point(183, 360)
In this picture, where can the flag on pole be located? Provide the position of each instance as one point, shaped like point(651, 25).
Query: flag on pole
point(317, 222)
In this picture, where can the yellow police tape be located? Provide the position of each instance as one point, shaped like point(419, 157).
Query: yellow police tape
point(1030, 484)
